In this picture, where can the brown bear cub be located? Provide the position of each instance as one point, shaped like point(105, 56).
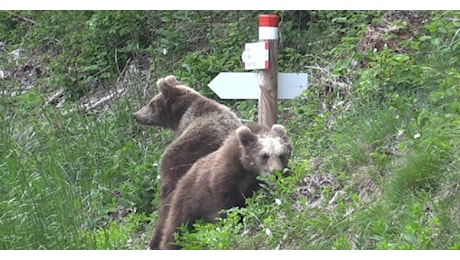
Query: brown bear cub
point(200, 125)
point(224, 178)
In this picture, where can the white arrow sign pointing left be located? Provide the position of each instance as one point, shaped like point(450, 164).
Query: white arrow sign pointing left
point(245, 85)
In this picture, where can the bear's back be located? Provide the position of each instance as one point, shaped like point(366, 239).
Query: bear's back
point(203, 128)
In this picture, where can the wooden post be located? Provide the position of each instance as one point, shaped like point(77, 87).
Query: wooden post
point(268, 78)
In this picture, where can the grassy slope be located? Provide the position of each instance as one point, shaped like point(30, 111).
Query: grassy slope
point(371, 169)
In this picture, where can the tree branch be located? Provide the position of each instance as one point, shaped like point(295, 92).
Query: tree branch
point(21, 17)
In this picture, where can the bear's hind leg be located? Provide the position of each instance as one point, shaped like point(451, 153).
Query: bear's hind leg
point(159, 226)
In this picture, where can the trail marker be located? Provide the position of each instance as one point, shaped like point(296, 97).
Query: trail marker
point(255, 56)
point(268, 85)
point(244, 85)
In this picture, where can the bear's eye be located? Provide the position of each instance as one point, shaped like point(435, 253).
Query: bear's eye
point(283, 157)
point(264, 156)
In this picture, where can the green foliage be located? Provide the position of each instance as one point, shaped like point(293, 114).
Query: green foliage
point(117, 235)
point(388, 70)
point(71, 180)
point(395, 226)
point(67, 177)
point(372, 134)
point(220, 236)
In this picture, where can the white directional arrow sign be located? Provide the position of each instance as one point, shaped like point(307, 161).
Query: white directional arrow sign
point(245, 85)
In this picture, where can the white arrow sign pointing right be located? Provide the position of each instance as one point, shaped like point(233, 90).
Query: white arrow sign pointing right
point(245, 85)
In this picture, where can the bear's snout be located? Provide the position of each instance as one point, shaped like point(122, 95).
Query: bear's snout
point(275, 164)
point(136, 116)
point(144, 116)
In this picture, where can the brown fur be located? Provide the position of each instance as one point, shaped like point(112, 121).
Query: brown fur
point(224, 178)
point(200, 125)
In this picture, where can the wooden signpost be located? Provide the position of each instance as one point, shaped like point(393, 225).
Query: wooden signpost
point(268, 32)
point(262, 55)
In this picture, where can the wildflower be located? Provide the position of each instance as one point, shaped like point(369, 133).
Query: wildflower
point(268, 232)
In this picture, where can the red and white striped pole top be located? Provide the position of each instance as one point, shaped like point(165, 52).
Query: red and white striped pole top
point(268, 27)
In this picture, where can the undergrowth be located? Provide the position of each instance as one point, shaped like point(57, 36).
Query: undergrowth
point(375, 162)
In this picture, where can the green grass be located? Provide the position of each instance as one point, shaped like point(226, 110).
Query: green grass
point(386, 158)
point(63, 173)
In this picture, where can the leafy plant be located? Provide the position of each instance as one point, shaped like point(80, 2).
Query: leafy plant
point(381, 124)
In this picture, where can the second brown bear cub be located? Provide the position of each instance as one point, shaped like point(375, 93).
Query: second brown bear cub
point(224, 178)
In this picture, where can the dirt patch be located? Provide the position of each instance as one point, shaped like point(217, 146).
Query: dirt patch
point(395, 27)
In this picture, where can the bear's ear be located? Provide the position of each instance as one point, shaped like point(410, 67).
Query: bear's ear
point(171, 80)
point(245, 136)
point(279, 130)
point(166, 88)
